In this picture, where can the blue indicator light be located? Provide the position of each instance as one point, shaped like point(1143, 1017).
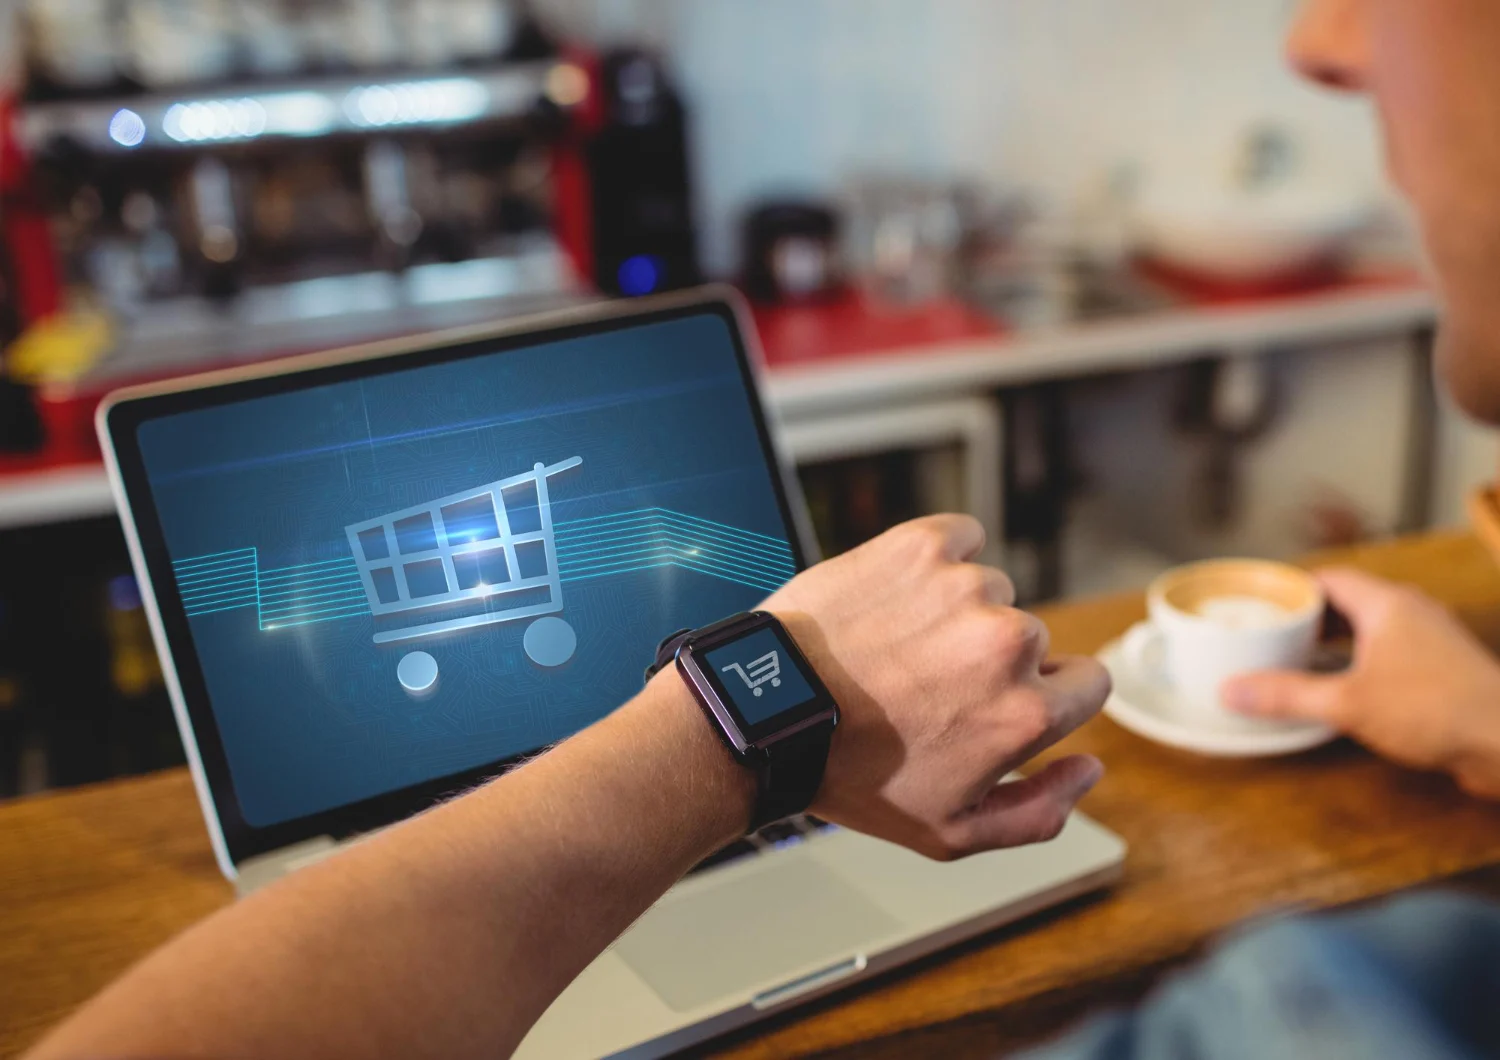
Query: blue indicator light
point(640, 274)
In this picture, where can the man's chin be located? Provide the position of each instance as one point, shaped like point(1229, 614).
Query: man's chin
point(1469, 364)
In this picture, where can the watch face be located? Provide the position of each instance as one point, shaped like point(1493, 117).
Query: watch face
point(763, 679)
point(759, 676)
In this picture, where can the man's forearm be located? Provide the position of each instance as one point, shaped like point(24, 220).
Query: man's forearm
point(450, 934)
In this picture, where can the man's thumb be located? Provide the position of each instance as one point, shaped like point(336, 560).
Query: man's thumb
point(1284, 694)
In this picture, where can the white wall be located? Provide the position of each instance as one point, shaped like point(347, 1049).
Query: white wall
point(795, 95)
point(1054, 95)
point(1339, 437)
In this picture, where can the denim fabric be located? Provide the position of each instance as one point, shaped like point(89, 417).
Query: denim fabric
point(1413, 979)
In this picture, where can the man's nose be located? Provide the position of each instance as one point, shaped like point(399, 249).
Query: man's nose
point(1330, 44)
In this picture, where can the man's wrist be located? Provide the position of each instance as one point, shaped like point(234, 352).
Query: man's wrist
point(722, 792)
point(1476, 763)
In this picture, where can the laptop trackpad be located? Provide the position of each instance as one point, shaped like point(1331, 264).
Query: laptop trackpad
point(723, 939)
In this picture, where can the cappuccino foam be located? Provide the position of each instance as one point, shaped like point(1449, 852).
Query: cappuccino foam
point(1243, 612)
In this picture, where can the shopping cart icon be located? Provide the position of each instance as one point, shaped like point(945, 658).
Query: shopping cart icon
point(482, 556)
point(765, 670)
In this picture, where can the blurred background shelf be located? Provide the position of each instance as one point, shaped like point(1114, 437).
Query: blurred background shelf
point(44, 495)
point(829, 357)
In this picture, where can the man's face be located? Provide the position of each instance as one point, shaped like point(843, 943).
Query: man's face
point(1433, 68)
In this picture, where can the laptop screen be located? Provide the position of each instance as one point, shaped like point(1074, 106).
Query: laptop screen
point(413, 572)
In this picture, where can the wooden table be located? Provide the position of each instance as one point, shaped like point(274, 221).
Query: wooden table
point(90, 880)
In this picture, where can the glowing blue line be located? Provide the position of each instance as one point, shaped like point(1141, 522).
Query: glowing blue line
point(315, 571)
point(296, 603)
point(309, 566)
point(238, 600)
point(600, 524)
point(625, 570)
point(196, 569)
point(209, 583)
point(665, 525)
point(242, 560)
point(316, 577)
point(784, 568)
point(605, 533)
point(211, 555)
point(615, 561)
point(226, 571)
point(214, 587)
point(669, 563)
point(194, 592)
point(312, 598)
point(270, 616)
point(758, 541)
point(728, 565)
point(309, 621)
point(671, 512)
point(306, 619)
point(675, 554)
point(688, 547)
point(215, 598)
point(724, 528)
point(310, 607)
point(210, 591)
point(273, 596)
point(618, 565)
point(568, 547)
point(282, 585)
point(216, 610)
point(209, 574)
point(603, 524)
point(661, 527)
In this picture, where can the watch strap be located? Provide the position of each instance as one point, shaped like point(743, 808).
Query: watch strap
point(788, 780)
point(666, 651)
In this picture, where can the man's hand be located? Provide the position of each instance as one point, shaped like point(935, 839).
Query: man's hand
point(944, 688)
point(1421, 691)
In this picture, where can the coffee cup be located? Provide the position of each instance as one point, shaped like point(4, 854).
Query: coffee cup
point(1218, 619)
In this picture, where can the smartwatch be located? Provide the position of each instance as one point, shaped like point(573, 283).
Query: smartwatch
point(764, 700)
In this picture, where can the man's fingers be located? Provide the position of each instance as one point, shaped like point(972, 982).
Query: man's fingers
point(1359, 596)
point(1285, 694)
point(1032, 810)
point(1077, 686)
point(998, 588)
point(962, 536)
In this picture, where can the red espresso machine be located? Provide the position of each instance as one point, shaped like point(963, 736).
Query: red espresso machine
point(187, 184)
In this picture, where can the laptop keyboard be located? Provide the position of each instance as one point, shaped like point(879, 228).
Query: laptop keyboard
point(777, 836)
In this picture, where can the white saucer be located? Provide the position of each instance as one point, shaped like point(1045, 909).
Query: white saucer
point(1145, 705)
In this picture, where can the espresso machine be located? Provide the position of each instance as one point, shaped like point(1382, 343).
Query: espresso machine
point(220, 182)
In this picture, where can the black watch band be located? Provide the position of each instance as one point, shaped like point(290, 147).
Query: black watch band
point(788, 768)
point(788, 781)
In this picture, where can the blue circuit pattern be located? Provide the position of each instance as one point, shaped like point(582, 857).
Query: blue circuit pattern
point(611, 545)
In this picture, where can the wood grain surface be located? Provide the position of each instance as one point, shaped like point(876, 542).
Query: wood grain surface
point(93, 879)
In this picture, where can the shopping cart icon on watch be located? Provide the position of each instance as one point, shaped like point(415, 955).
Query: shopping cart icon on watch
point(763, 671)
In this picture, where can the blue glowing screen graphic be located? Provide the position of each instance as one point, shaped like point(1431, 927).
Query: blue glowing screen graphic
point(403, 577)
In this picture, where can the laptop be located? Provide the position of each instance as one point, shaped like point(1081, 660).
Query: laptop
point(379, 575)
